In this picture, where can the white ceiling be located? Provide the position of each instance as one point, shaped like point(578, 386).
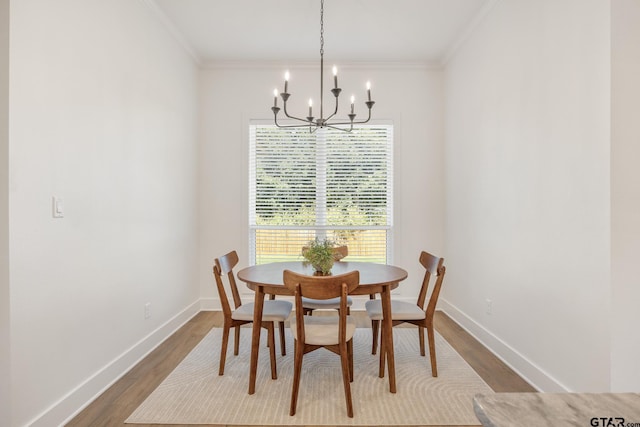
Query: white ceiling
point(415, 31)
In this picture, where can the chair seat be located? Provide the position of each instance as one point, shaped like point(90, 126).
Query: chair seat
point(400, 310)
point(272, 311)
point(323, 330)
point(319, 304)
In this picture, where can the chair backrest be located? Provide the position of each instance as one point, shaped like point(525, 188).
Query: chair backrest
point(224, 266)
point(321, 287)
point(340, 252)
point(434, 266)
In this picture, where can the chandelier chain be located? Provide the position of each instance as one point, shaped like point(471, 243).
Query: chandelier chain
point(321, 27)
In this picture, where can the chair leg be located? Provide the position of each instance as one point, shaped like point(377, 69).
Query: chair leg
point(375, 327)
point(421, 338)
point(432, 350)
point(297, 371)
point(283, 346)
point(236, 342)
point(383, 354)
point(223, 348)
point(350, 354)
point(346, 378)
point(272, 349)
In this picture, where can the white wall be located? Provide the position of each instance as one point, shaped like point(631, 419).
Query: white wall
point(411, 97)
point(527, 189)
point(104, 115)
point(5, 370)
point(625, 194)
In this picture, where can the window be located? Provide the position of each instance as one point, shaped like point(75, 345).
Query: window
point(327, 184)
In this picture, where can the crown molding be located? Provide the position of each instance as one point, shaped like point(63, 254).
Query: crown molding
point(173, 30)
point(468, 31)
point(300, 64)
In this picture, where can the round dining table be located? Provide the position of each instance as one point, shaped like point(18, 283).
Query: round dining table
point(374, 279)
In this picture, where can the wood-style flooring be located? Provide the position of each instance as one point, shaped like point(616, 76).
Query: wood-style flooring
point(121, 399)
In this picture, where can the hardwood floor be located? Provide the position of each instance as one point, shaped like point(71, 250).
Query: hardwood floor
point(121, 399)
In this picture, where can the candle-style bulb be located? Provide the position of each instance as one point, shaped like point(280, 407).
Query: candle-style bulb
point(310, 105)
point(275, 97)
point(369, 91)
point(335, 77)
point(286, 80)
point(353, 100)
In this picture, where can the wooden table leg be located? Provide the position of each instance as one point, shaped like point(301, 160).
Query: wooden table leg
point(387, 330)
point(255, 337)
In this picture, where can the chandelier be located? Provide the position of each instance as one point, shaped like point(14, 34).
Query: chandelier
point(315, 123)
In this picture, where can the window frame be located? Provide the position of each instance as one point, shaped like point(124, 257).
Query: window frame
point(321, 227)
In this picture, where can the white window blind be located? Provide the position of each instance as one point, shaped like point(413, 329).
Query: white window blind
point(328, 183)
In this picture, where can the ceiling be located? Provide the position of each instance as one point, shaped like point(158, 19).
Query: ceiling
point(410, 31)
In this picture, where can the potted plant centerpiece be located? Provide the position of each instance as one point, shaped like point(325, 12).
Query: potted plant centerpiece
point(320, 254)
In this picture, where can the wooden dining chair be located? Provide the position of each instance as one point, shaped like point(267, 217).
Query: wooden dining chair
point(274, 311)
point(310, 304)
point(335, 333)
point(404, 312)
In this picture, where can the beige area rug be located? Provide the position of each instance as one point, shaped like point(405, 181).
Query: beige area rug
point(194, 393)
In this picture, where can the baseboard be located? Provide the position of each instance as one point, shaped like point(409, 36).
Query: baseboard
point(528, 370)
point(79, 398)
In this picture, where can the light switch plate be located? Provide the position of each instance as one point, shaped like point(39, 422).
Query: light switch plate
point(57, 207)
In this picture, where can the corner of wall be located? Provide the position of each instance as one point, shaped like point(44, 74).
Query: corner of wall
point(5, 317)
point(468, 31)
point(528, 370)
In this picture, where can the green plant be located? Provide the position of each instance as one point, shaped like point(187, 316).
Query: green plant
point(319, 253)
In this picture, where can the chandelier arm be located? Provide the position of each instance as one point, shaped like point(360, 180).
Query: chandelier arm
point(308, 124)
point(301, 120)
point(345, 123)
point(363, 121)
point(340, 129)
point(294, 117)
point(335, 111)
point(285, 97)
point(355, 122)
point(295, 126)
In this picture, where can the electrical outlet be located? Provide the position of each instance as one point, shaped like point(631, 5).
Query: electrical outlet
point(489, 306)
point(147, 310)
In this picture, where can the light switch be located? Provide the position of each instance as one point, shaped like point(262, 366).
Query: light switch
point(58, 207)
